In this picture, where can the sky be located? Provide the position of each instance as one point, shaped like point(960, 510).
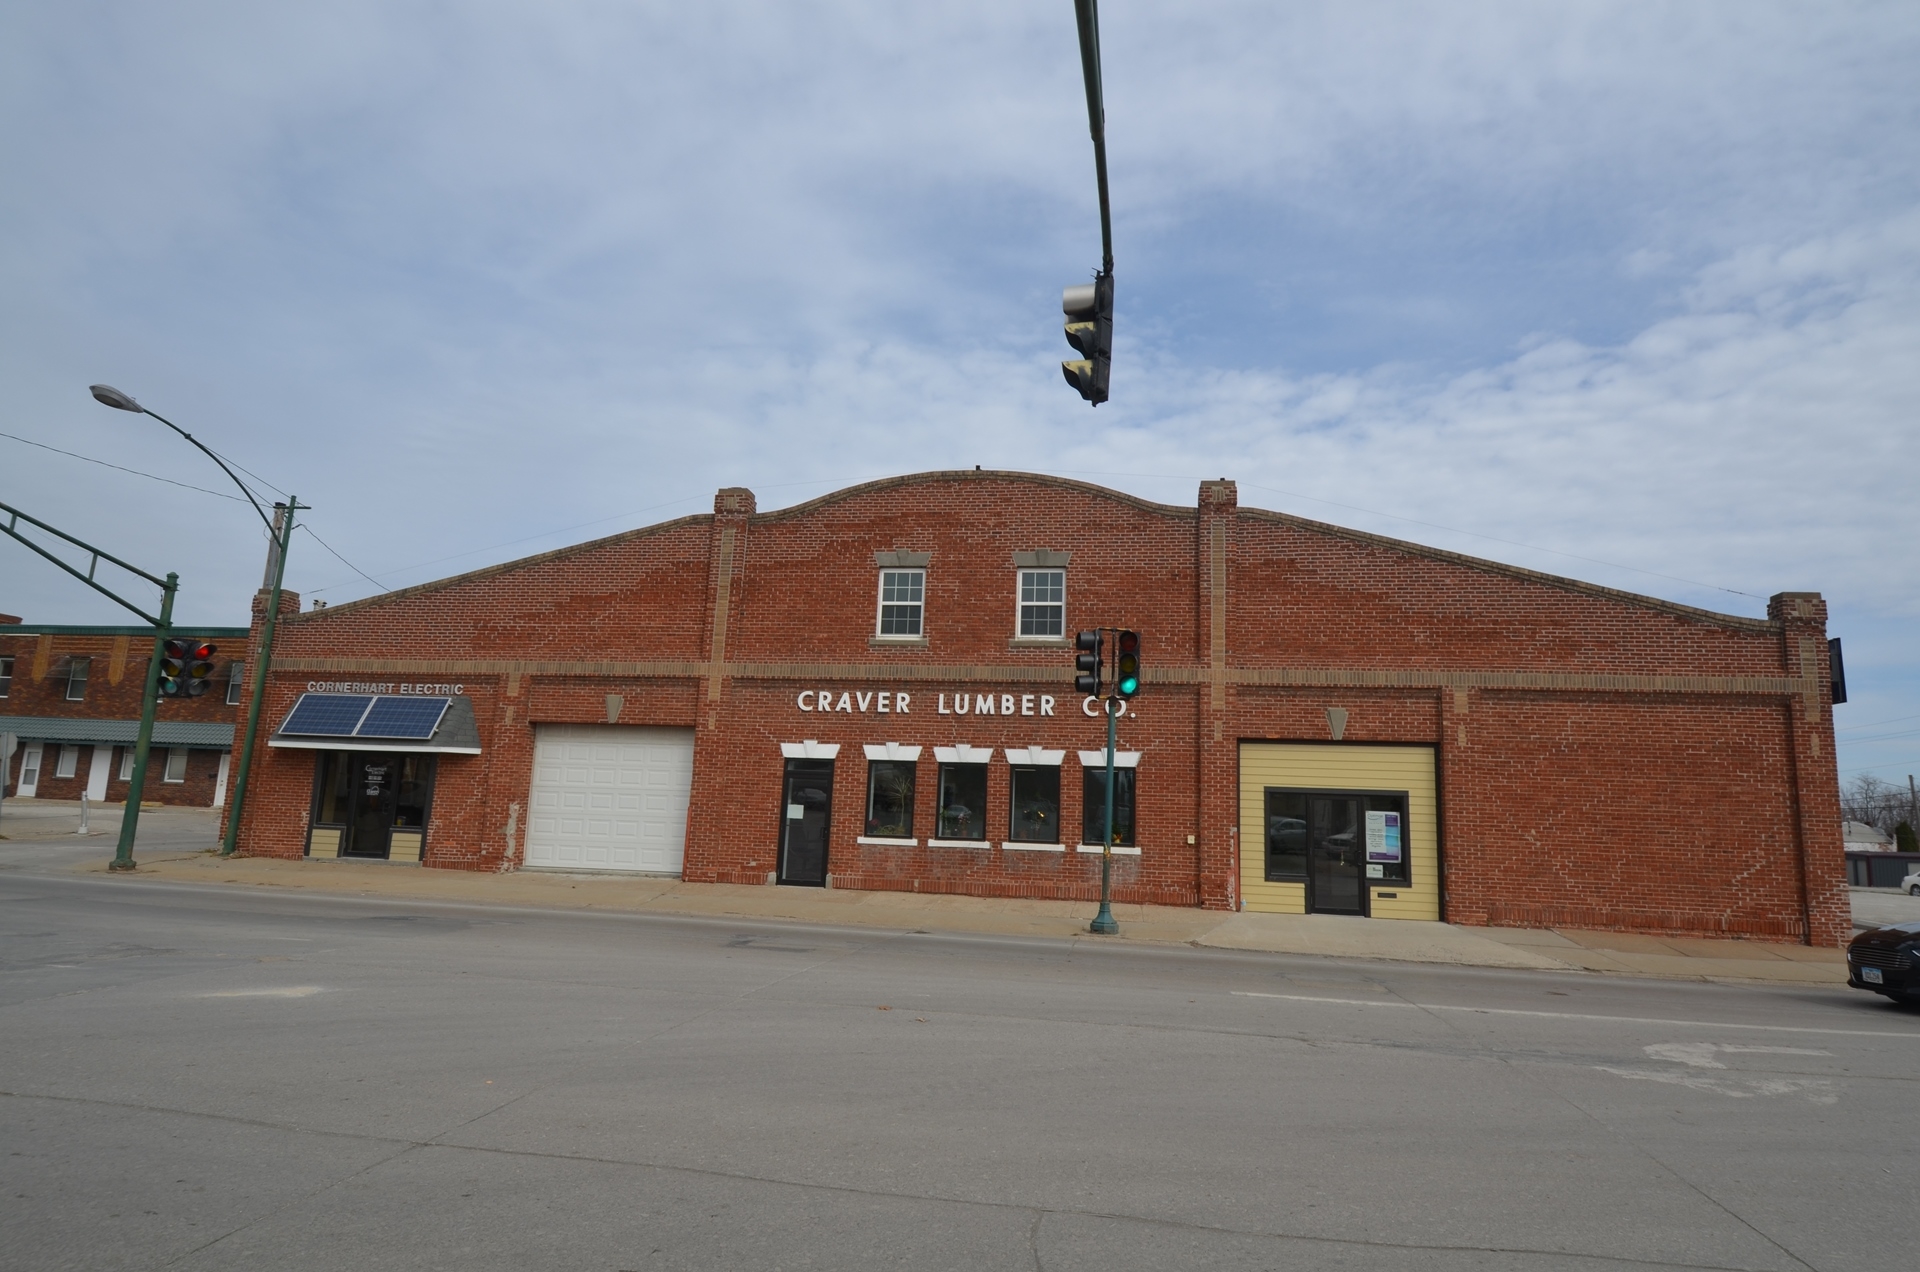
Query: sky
point(1628, 292)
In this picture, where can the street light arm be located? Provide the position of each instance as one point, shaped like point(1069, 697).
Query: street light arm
point(264, 518)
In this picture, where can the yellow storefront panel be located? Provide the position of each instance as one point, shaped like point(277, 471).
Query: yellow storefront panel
point(1336, 767)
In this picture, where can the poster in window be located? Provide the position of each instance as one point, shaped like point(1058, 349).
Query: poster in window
point(1383, 836)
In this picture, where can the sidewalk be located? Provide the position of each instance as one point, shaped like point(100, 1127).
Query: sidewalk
point(1335, 936)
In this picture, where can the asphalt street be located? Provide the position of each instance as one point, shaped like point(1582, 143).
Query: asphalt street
point(206, 1078)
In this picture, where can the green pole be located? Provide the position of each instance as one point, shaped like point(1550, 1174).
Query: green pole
point(1104, 923)
point(143, 741)
point(285, 536)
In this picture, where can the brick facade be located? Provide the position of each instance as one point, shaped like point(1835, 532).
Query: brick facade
point(1605, 760)
point(117, 661)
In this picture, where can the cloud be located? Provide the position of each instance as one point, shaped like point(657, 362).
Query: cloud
point(1634, 283)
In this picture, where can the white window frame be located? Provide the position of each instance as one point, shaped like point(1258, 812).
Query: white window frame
point(176, 760)
point(236, 681)
point(1020, 603)
point(6, 677)
point(920, 606)
point(126, 764)
point(85, 667)
point(68, 762)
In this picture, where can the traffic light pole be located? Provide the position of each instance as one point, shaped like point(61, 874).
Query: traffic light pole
point(143, 740)
point(1104, 924)
point(162, 624)
point(283, 535)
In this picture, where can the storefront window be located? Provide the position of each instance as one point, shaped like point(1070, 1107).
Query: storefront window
point(1286, 835)
point(1093, 824)
point(890, 799)
point(1385, 837)
point(963, 801)
point(332, 789)
point(412, 790)
point(1036, 804)
point(1356, 835)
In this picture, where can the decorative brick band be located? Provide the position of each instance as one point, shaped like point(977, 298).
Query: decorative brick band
point(1028, 673)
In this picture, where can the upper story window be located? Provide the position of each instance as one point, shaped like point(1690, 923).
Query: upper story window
point(77, 669)
point(6, 676)
point(236, 681)
point(903, 596)
point(1043, 602)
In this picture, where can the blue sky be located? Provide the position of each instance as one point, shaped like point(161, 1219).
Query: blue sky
point(1629, 292)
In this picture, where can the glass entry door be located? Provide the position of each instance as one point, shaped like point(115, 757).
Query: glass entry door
point(806, 812)
point(374, 777)
point(362, 797)
point(1334, 865)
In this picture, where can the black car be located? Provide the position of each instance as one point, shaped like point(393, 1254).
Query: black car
point(1887, 961)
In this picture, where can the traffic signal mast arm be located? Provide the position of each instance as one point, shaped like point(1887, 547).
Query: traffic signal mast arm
point(1089, 306)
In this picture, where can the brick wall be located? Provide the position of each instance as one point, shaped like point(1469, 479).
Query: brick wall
point(1606, 760)
point(117, 672)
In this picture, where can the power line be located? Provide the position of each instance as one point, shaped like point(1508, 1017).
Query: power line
point(118, 468)
point(342, 560)
point(1852, 728)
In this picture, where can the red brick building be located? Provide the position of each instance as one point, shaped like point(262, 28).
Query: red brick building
point(71, 696)
point(873, 690)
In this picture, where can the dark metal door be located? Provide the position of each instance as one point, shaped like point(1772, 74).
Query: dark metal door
point(1334, 851)
point(375, 779)
point(806, 811)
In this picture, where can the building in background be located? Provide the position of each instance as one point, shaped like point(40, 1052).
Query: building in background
point(71, 695)
point(874, 690)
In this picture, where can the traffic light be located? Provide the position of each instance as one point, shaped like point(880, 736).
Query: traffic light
point(1126, 664)
point(173, 668)
point(186, 668)
point(1089, 310)
point(199, 670)
point(1087, 663)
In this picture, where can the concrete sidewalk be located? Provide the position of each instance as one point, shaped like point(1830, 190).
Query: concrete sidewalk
point(1321, 934)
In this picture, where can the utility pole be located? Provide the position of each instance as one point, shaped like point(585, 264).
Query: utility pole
point(275, 575)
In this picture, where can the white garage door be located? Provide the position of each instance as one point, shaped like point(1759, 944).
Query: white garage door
point(608, 797)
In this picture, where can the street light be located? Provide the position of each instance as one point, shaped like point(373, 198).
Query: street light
point(280, 532)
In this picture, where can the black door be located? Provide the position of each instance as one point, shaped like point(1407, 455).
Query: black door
point(1334, 853)
point(805, 813)
point(375, 779)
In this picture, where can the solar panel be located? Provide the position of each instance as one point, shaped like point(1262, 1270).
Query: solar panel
point(326, 715)
point(403, 718)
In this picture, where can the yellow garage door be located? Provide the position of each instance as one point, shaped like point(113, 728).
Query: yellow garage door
point(1334, 767)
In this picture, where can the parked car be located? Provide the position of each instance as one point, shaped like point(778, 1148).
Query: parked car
point(1912, 884)
point(1887, 961)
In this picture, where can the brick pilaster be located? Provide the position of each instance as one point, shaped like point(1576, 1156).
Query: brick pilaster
point(1802, 617)
point(1216, 757)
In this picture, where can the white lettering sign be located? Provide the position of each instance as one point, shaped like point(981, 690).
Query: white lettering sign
point(986, 704)
point(1092, 706)
point(357, 686)
point(857, 702)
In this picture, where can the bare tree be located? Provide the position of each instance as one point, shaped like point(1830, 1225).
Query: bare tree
point(1879, 804)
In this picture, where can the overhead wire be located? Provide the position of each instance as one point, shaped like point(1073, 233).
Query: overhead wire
point(121, 468)
point(342, 560)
